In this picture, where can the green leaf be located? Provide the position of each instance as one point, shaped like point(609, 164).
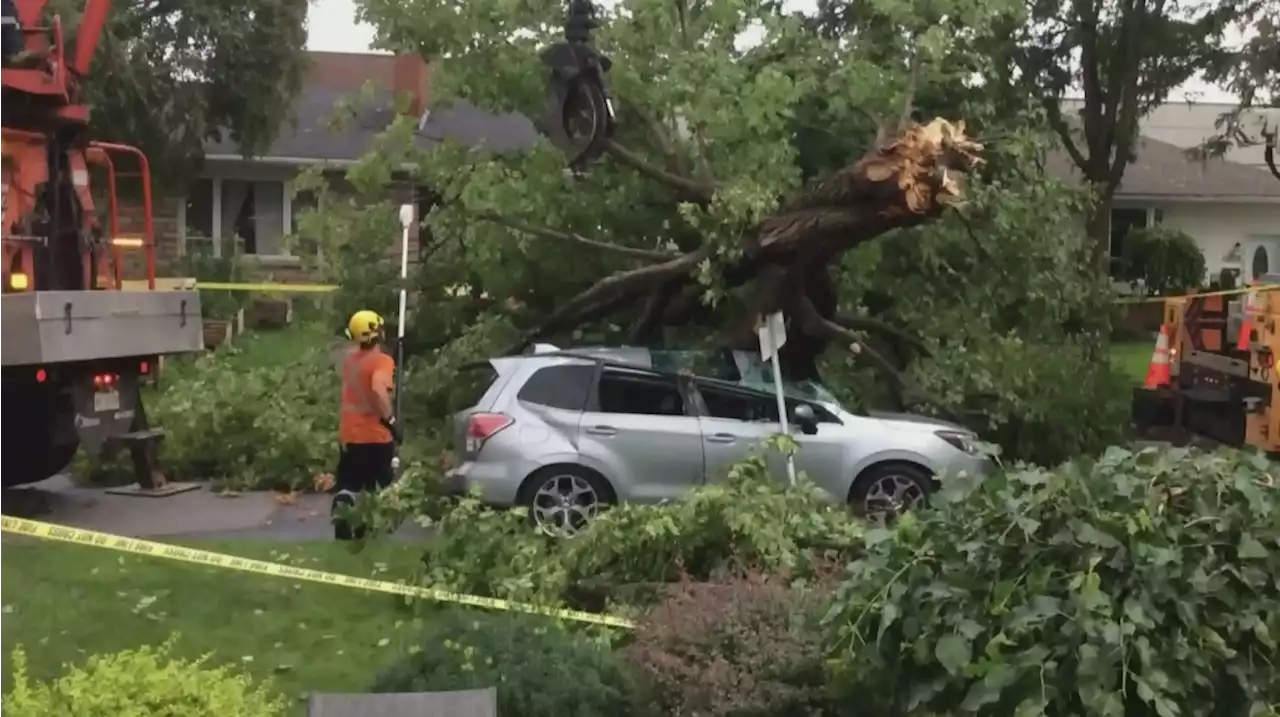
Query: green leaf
point(953, 652)
point(1251, 548)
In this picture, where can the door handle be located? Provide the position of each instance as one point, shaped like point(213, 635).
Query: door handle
point(602, 431)
point(721, 438)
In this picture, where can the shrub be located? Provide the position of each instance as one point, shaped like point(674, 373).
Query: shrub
point(257, 425)
point(749, 519)
point(1041, 402)
point(540, 667)
point(145, 682)
point(740, 648)
point(1164, 260)
point(1138, 584)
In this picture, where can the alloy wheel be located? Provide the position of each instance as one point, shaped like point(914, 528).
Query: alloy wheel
point(564, 505)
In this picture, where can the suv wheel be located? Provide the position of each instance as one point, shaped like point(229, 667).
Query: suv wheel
point(563, 500)
point(885, 491)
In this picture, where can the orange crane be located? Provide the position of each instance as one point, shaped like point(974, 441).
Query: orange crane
point(75, 346)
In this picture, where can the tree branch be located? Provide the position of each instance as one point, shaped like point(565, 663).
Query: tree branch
point(696, 191)
point(573, 238)
point(876, 326)
point(1053, 112)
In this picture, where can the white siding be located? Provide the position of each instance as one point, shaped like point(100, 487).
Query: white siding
point(1217, 227)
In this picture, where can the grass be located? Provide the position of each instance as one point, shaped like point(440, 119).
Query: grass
point(1131, 359)
point(67, 602)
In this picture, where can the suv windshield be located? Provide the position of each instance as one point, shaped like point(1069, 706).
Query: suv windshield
point(743, 367)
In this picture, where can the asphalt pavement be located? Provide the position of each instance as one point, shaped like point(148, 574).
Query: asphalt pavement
point(200, 513)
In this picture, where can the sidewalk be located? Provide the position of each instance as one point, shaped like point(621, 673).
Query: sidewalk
point(198, 513)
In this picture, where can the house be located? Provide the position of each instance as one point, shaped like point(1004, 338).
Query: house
point(1230, 206)
point(253, 199)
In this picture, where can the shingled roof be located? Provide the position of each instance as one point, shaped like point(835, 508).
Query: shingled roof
point(337, 76)
point(1163, 171)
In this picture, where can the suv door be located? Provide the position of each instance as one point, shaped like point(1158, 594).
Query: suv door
point(734, 422)
point(638, 432)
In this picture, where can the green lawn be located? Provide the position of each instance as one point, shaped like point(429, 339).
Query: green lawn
point(65, 602)
point(1131, 359)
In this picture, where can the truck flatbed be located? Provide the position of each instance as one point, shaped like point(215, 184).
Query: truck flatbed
point(44, 327)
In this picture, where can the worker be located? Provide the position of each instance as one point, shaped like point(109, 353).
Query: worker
point(367, 430)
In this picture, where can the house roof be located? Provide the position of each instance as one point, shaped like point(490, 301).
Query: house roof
point(335, 76)
point(1162, 170)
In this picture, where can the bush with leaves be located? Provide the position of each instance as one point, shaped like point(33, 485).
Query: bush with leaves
point(540, 667)
point(742, 647)
point(748, 519)
point(145, 682)
point(1163, 260)
point(1136, 585)
point(255, 426)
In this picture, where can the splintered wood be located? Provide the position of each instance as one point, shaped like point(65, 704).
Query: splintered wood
point(922, 165)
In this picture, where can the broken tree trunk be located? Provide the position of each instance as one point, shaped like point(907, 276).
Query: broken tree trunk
point(902, 183)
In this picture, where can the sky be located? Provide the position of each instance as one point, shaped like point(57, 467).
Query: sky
point(332, 28)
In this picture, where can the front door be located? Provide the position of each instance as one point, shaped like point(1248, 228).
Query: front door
point(637, 431)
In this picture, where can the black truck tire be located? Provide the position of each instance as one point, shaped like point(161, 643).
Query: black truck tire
point(36, 415)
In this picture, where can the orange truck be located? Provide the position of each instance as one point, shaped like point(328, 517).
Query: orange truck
point(76, 346)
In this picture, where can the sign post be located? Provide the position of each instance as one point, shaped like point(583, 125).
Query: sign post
point(772, 333)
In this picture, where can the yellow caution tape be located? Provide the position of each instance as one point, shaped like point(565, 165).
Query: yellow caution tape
point(1227, 292)
point(267, 288)
point(80, 536)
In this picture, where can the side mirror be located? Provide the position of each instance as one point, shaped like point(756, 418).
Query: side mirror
point(804, 417)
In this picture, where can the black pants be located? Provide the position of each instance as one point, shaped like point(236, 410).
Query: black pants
point(362, 468)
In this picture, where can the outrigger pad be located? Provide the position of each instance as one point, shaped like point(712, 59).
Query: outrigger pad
point(163, 491)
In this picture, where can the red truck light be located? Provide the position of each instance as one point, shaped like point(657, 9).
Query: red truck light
point(41, 375)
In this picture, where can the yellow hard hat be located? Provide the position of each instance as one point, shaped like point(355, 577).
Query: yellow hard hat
point(364, 326)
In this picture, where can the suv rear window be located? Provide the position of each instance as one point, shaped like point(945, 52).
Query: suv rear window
point(473, 380)
point(565, 386)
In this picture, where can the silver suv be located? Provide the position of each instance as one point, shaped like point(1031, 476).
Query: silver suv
point(565, 432)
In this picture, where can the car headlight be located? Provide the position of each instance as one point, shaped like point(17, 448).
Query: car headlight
point(965, 442)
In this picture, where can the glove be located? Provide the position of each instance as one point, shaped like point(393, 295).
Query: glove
point(391, 425)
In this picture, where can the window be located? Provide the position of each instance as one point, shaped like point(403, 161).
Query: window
point(750, 406)
point(738, 405)
point(472, 384)
point(1124, 221)
point(564, 387)
point(256, 215)
point(200, 209)
point(639, 393)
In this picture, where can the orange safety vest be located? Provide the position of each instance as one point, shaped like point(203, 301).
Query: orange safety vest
point(360, 420)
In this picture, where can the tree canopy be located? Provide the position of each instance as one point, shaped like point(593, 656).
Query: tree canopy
point(761, 163)
point(170, 75)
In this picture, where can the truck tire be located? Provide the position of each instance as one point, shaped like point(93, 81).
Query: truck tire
point(37, 414)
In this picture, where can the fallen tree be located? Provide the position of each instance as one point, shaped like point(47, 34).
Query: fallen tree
point(901, 183)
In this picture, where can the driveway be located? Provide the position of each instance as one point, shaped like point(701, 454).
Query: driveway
point(198, 513)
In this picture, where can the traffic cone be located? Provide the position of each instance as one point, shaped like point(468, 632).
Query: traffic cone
point(1246, 326)
point(1158, 369)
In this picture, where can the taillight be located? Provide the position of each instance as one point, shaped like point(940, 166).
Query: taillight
point(143, 367)
point(105, 380)
point(483, 426)
point(41, 375)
